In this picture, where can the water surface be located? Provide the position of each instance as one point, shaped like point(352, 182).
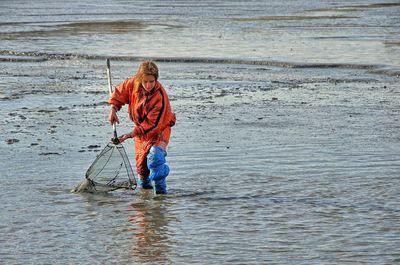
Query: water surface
point(286, 149)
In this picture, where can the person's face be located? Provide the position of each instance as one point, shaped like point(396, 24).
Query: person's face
point(148, 83)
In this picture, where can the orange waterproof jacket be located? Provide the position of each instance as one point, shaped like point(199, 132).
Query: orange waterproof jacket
point(151, 113)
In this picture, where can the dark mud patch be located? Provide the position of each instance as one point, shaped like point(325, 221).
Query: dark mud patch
point(377, 5)
point(392, 43)
point(91, 105)
point(352, 8)
point(10, 58)
point(79, 28)
point(90, 148)
point(12, 141)
point(291, 18)
point(84, 28)
point(47, 110)
point(49, 153)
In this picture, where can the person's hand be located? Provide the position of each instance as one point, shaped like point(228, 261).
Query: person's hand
point(126, 136)
point(113, 117)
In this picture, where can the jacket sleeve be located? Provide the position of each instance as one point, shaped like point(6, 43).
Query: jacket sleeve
point(152, 124)
point(120, 95)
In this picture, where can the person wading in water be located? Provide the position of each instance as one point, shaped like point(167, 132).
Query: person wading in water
point(150, 110)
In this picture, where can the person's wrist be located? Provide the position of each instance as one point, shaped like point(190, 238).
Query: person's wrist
point(114, 108)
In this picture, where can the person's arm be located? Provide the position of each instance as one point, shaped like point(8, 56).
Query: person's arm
point(113, 117)
point(126, 136)
point(118, 98)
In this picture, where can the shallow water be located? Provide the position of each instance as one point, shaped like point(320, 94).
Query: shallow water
point(270, 163)
point(355, 32)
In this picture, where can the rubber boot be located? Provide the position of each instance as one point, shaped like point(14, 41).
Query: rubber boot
point(161, 186)
point(144, 183)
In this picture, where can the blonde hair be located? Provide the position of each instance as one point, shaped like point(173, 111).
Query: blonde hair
point(145, 68)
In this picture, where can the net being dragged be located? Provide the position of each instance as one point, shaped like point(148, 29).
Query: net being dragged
point(110, 171)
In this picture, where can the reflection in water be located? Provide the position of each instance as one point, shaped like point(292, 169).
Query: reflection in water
point(150, 227)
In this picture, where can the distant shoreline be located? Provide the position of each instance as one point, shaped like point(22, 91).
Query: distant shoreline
point(29, 56)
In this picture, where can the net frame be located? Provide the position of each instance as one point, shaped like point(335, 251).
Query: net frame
point(110, 183)
point(123, 177)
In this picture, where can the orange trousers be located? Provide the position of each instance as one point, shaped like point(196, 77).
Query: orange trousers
point(142, 149)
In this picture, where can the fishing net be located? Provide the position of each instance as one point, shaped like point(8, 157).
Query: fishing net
point(110, 171)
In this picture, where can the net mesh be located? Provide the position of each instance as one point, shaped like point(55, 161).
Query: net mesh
point(112, 169)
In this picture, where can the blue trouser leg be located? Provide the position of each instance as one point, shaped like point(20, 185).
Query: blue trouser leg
point(159, 170)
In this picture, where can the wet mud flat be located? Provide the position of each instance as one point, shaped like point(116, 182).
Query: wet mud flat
point(288, 162)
